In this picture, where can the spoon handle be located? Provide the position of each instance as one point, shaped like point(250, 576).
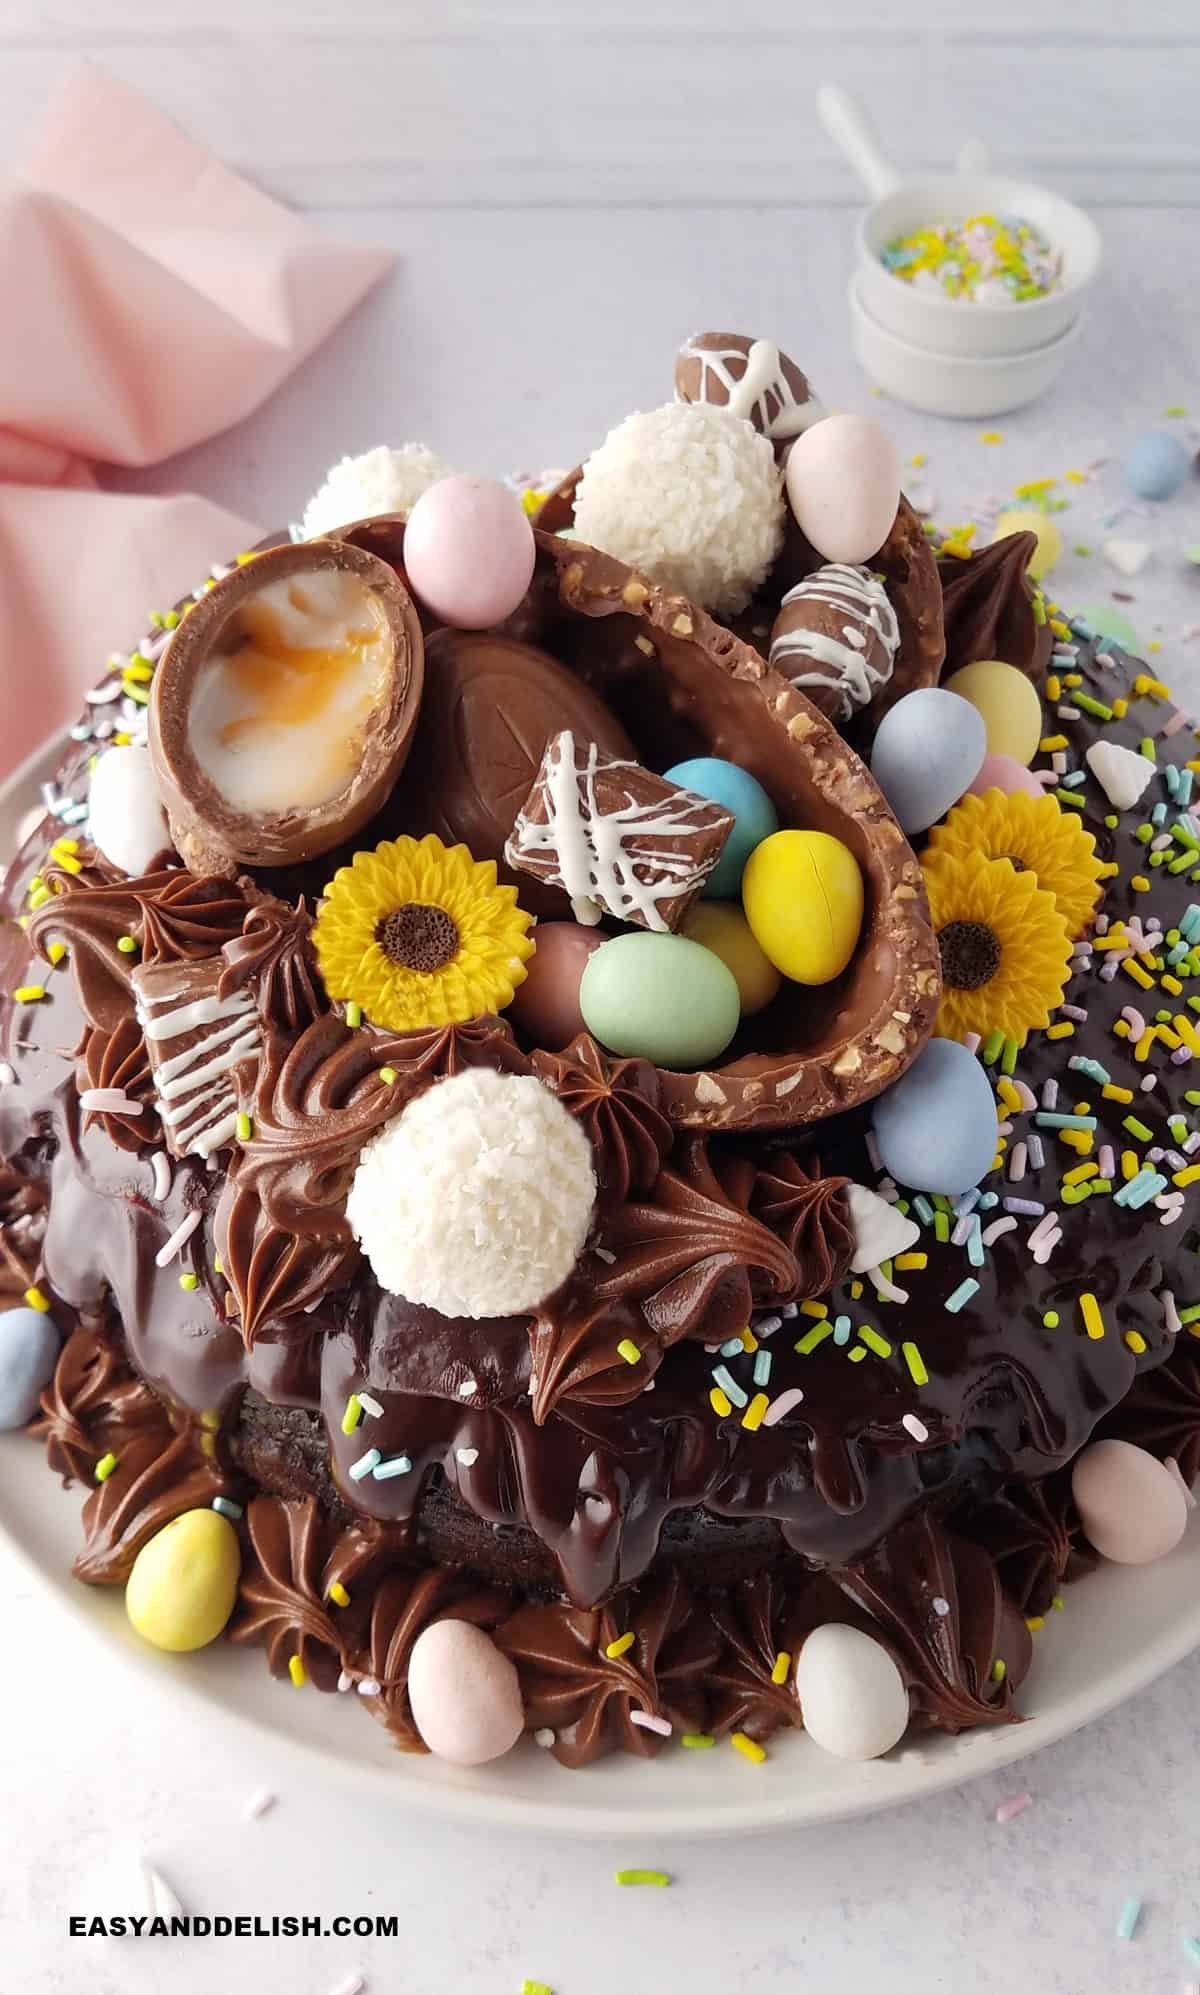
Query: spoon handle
point(851, 131)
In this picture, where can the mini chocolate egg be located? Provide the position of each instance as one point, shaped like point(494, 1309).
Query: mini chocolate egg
point(936, 1129)
point(1022, 519)
point(183, 1585)
point(755, 816)
point(1133, 1509)
point(660, 998)
point(722, 927)
point(546, 1005)
point(465, 1695)
point(126, 819)
point(843, 484)
point(852, 1696)
point(28, 1354)
point(469, 551)
point(1000, 772)
point(1157, 465)
point(927, 752)
point(1008, 701)
point(803, 896)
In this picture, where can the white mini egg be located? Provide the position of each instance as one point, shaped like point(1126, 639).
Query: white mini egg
point(843, 485)
point(852, 1696)
point(465, 1696)
point(1133, 1509)
point(125, 814)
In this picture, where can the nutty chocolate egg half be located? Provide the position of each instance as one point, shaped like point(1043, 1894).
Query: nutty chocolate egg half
point(284, 707)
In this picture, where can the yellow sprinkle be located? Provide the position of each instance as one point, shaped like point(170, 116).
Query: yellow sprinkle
point(1052, 743)
point(856, 1289)
point(1142, 1050)
point(245, 1127)
point(1058, 1603)
point(749, 1340)
point(720, 1402)
point(915, 1363)
point(1140, 883)
point(387, 1074)
point(532, 500)
point(1171, 984)
point(210, 1418)
point(1093, 1321)
point(1187, 1032)
point(189, 1282)
point(749, 1748)
point(874, 1342)
point(1079, 1140)
point(907, 1262)
point(1120, 709)
point(297, 1672)
point(628, 1350)
point(1144, 685)
point(917, 459)
point(339, 1595)
point(999, 1671)
point(1136, 1342)
point(819, 1309)
point(991, 436)
point(139, 670)
point(752, 1418)
point(857, 1355)
point(127, 944)
point(1113, 1093)
point(352, 1415)
point(56, 951)
point(1080, 1174)
point(783, 1663)
point(621, 1646)
point(29, 993)
point(1139, 976)
point(104, 1467)
point(1035, 1623)
point(1130, 1164)
point(1188, 1177)
point(1060, 629)
point(1063, 1030)
point(38, 1299)
point(1054, 689)
point(1008, 1094)
point(68, 864)
point(38, 896)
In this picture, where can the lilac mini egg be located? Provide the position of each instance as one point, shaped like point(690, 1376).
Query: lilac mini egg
point(1133, 1509)
point(1004, 772)
point(469, 552)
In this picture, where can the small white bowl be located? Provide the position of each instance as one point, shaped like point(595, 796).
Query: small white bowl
point(947, 383)
point(949, 325)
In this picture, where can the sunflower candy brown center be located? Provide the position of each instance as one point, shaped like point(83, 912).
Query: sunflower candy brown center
point(499, 1112)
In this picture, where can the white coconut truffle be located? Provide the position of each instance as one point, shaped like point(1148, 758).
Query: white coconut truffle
point(690, 495)
point(382, 480)
point(476, 1201)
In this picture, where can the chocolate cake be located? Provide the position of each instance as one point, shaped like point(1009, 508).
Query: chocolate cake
point(468, 1247)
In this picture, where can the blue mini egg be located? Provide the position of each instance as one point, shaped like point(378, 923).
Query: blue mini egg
point(928, 751)
point(735, 790)
point(28, 1354)
point(1157, 464)
point(936, 1129)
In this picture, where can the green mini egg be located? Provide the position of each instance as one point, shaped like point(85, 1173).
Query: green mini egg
point(660, 998)
point(803, 896)
point(181, 1590)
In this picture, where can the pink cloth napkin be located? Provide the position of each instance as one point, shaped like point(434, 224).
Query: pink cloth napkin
point(151, 298)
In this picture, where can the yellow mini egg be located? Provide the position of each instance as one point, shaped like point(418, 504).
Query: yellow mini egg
point(803, 896)
point(181, 1590)
point(1023, 519)
point(722, 927)
point(1008, 702)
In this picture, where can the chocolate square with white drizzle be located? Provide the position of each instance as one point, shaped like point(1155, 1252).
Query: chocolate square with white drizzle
point(195, 1039)
point(617, 838)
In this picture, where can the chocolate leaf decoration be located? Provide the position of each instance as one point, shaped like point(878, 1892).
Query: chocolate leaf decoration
point(293, 1555)
point(987, 607)
point(159, 1475)
point(616, 1100)
point(405, 1604)
point(273, 952)
point(811, 1214)
point(573, 1347)
point(91, 1406)
point(674, 1250)
point(118, 1059)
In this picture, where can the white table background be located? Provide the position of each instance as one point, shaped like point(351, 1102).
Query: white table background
point(570, 189)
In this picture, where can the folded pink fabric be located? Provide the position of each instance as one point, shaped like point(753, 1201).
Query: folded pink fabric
point(151, 299)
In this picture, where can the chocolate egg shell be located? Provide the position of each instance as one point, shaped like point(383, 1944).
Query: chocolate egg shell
point(218, 836)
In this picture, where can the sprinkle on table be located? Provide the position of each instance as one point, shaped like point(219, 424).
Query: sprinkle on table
point(1014, 1806)
point(658, 1878)
point(1127, 1924)
point(529, 1987)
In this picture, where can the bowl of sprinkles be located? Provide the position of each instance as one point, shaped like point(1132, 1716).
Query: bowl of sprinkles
point(985, 260)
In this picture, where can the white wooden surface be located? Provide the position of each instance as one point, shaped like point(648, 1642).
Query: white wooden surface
point(569, 188)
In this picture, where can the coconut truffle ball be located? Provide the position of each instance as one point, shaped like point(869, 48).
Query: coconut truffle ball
point(382, 480)
point(477, 1199)
point(691, 496)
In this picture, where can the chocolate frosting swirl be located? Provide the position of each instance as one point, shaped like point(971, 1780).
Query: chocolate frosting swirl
point(292, 1556)
point(159, 1475)
point(987, 608)
point(118, 1059)
point(810, 1213)
point(274, 954)
point(757, 1622)
point(1032, 1532)
point(91, 1407)
point(617, 1102)
point(404, 1605)
point(573, 1347)
point(1162, 1412)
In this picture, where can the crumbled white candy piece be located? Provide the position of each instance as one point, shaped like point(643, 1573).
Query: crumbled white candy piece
point(880, 1231)
point(1122, 773)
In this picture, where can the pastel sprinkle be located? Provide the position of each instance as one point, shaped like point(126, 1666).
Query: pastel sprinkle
point(697, 1742)
point(748, 1748)
point(781, 1667)
point(37, 1299)
point(658, 1878)
point(1016, 1805)
point(353, 1414)
point(104, 1467)
point(916, 1364)
point(723, 1377)
point(297, 1672)
point(961, 1296)
point(365, 1465)
point(621, 1646)
point(226, 1507)
point(628, 1350)
point(395, 1465)
point(782, 1406)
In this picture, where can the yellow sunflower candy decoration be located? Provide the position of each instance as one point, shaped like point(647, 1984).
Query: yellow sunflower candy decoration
point(419, 933)
point(1004, 945)
point(1038, 836)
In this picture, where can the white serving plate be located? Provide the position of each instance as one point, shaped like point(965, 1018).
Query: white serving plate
point(1119, 1630)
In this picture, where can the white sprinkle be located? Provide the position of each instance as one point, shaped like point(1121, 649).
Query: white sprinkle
point(179, 1238)
point(345, 1682)
point(915, 1427)
point(101, 695)
point(370, 1405)
point(544, 1737)
point(7, 1074)
point(466, 1390)
point(109, 1101)
point(369, 1687)
point(649, 1723)
point(940, 1607)
point(260, 1801)
point(467, 1456)
point(768, 1325)
point(163, 1902)
point(352, 1984)
point(997, 1229)
point(161, 1164)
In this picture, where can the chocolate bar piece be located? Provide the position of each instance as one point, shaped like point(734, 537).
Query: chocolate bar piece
point(195, 1039)
point(615, 837)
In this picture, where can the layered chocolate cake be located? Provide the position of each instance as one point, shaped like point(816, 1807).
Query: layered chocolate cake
point(597, 1113)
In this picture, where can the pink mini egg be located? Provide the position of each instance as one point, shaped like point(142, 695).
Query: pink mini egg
point(1004, 772)
point(843, 484)
point(465, 1696)
point(1133, 1509)
point(468, 552)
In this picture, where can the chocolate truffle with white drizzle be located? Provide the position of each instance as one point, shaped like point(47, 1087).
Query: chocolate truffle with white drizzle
point(836, 638)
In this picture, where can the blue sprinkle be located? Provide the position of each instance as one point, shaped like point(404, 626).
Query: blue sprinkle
point(1191, 1948)
point(394, 1465)
point(1184, 793)
point(365, 1465)
point(1158, 814)
point(1027, 1208)
point(762, 1368)
point(1082, 629)
point(962, 1294)
point(1178, 953)
point(226, 1507)
point(988, 1199)
point(975, 1253)
point(1035, 1151)
point(923, 1209)
point(733, 1349)
point(1092, 1068)
point(1171, 778)
point(1047, 1119)
point(841, 1329)
point(1074, 781)
point(967, 1203)
point(1127, 1924)
point(723, 1377)
point(81, 731)
point(1189, 925)
point(1140, 1190)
